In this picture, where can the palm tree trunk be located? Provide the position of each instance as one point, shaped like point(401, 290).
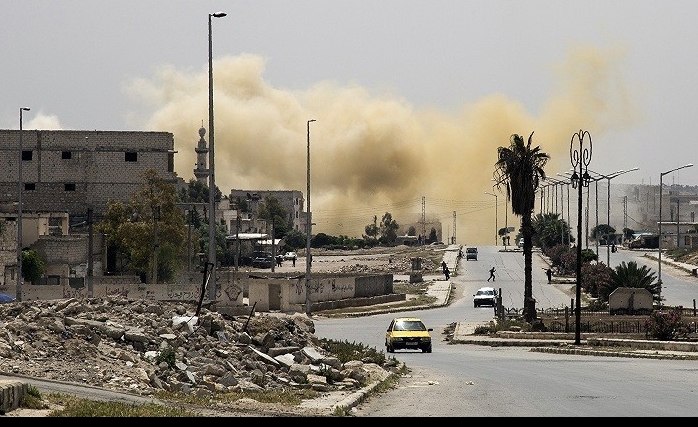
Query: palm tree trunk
point(529, 302)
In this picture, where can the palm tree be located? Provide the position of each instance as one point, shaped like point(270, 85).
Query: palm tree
point(631, 275)
point(519, 169)
point(549, 230)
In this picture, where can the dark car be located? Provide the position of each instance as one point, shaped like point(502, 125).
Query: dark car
point(264, 260)
point(471, 254)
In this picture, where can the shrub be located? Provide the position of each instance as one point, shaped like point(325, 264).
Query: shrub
point(666, 325)
point(167, 355)
point(346, 351)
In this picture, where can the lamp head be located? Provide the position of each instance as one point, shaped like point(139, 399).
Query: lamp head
point(574, 179)
point(24, 108)
point(218, 14)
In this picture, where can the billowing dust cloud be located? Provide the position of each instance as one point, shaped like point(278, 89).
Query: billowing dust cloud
point(372, 154)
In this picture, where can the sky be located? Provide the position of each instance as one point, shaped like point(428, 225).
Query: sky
point(411, 99)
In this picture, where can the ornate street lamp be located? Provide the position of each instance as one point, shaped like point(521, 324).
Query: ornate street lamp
point(580, 159)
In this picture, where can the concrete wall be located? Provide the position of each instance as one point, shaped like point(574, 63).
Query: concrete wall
point(288, 294)
point(285, 293)
point(164, 292)
point(630, 300)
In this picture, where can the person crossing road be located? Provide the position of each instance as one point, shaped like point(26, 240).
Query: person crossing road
point(491, 274)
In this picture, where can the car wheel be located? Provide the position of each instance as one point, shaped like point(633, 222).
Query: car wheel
point(427, 350)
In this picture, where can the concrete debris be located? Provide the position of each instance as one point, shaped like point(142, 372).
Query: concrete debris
point(142, 347)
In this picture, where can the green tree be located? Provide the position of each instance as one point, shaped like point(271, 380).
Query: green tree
point(32, 265)
point(519, 169)
point(197, 192)
point(321, 239)
point(433, 237)
point(549, 230)
point(371, 232)
point(131, 229)
point(388, 230)
point(595, 276)
point(602, 232)
point(295, 239)
point(271, 210)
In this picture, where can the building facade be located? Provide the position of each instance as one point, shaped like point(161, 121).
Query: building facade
point(291, 200)
point(71, 171)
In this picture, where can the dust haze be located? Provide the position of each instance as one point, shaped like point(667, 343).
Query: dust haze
point(373, 153)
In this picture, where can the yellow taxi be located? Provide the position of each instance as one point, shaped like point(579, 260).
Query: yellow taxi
point(408, 333)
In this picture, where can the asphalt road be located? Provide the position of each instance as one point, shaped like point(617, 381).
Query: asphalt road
point(471, 380)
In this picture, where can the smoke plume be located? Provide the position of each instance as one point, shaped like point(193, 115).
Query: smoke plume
point(374, 153)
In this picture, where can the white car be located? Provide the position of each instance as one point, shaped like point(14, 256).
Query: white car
point(485, 296)
point(290, 256)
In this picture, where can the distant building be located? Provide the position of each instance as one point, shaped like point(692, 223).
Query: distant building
point(291, 200)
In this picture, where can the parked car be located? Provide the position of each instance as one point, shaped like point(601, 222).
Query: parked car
point(407, 333)
point(290, 256)
point(471, 254)
point(263, 261)
point(485, 296)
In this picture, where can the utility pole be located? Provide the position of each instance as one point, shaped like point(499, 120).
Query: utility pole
point(424, 221)
point(90, 270)
point(237, 239)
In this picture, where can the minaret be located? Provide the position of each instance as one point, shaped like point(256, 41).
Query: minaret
point(201, 170)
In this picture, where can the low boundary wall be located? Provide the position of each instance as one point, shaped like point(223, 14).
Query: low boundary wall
point(272, 292)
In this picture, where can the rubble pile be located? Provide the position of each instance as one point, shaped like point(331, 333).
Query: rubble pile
point(145, 346)
point(394, 265)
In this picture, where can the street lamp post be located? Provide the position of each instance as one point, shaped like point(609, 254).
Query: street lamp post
point(609, 177)
point(308, 224)
point(496, 230)
point(211, 166)
point(18, 296)
point(555, 183)
point(659, 255)
point(580, 178)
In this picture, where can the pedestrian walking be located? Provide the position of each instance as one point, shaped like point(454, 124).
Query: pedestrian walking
point(447, 273)
point(549, 273)
point(443, 266)
point(294, 260)
point(491, 274)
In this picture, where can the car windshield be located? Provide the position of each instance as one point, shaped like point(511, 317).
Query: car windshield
point(487, 292)
point(409, 325)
